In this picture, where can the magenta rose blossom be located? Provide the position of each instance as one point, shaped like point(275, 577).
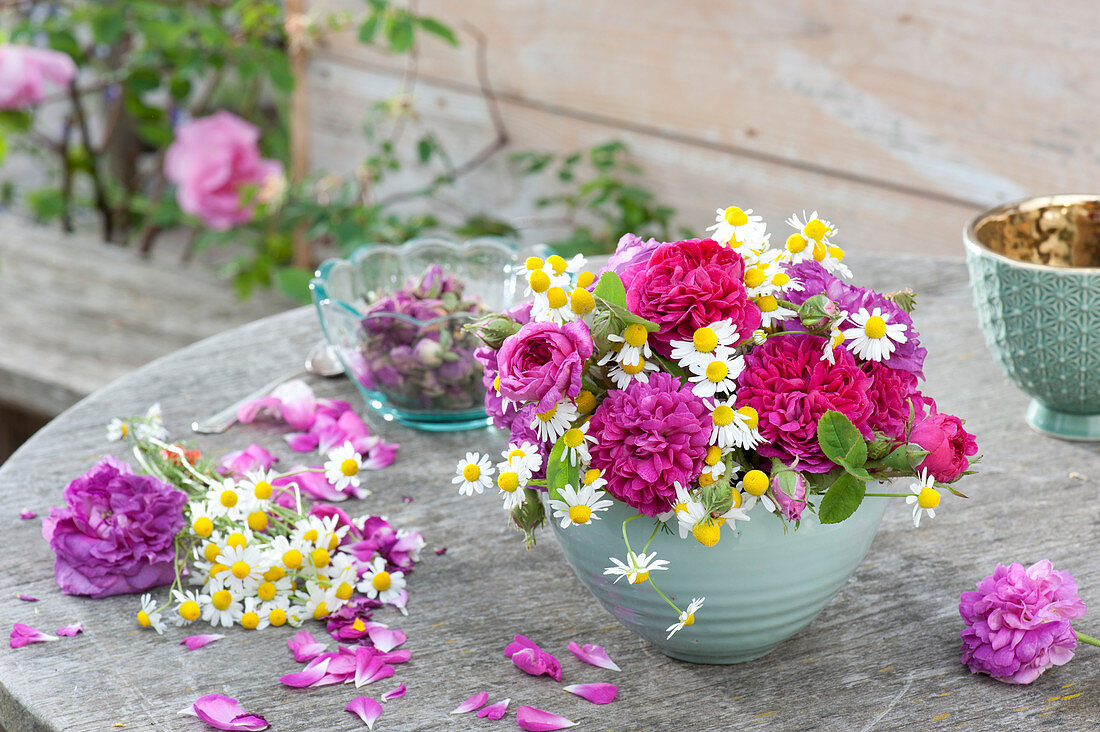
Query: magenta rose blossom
point(24, 71)
point(649, 436)
point(949, 445)
point(1017, 622)
point(630, 250)
point(543, 362)
point(115, 534)
point(791, 504)
point(891, 391)
point(211, 161)
point(686, 285)
point(791, 387)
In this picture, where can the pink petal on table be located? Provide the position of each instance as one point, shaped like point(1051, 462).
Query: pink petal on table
point(343, 662)
point(371, 669)
point(594, 655)
point(308, 677)
point(299, 405)
point(24, 635)
point(477, 701)
point(224, 713)
point(395, 694)
point(495, 711)
point(400, 601)
point(194, 642)
point(595, 693)
point(406, 499)
point(311, 484)
point(398, 656)
point(536, 720)
point(241, 461)
point(27, 514)
point(304, 646)
point(366, 708)
point(26, 598)
point(385, 639)
point(301, 441)
point(250, 410)
point(536, 662)
point(70, 630)
point(441, 551)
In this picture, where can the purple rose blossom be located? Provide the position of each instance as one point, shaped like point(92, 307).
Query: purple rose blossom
point(791, 387)
point(400, 549)
point(115, 534)
point(649, 436)
point(523, 430)
point(1017, 622)
point(630, 251)
point(543, 362)
point(501, 411)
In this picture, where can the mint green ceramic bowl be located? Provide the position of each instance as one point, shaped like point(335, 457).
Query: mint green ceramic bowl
point(761, 585)
point(1035, 275)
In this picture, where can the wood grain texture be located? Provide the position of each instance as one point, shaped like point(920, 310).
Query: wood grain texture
point(882, 656)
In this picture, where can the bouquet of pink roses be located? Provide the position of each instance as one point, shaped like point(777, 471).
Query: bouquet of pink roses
point(709, 382)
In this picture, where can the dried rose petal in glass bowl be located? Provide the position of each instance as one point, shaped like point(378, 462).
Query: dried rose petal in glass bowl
point(395, 316)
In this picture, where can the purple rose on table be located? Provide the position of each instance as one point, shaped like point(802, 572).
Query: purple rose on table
point(543, 363)
point(115, 534)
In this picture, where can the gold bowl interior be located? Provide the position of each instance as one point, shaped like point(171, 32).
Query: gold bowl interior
point(1056, 231)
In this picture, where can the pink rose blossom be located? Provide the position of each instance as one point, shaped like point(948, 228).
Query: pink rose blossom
point(630, 251)
point(891, 391)
point(949, 445)
point(1017, 622)
point(211, 162)
point(790, 505)
point(24, 71)
point(543, 362)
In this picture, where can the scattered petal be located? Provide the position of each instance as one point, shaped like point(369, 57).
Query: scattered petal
point(594, 655)
point(477, 701)
point(372, 670)
point(224, 713)
point(26, 598)
point(441, 551)
point(495, 711)
point(194, 642)
point(529, 658)
point(70, 630)
point(366, 708)
point(304, 646)
point(406, 499)
point(398, 656)
point(536, 720)
point(240, 462)
point(395, 694)
point(308, 677)
point(301, 441)
point(27, 514)
point(595, 693)
point(384, 639)
point(23, 635)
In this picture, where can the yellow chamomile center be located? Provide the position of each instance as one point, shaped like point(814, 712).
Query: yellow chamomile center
point(819, 251)
point(634, 368)
point(236, 539)
point(705, 340)
point(241, 570)
point(216, 569)
point(228, 499)
point(705, 479)
point(221, 599)
point(573, 437)
point(690, 619)
point(875, 327)
point(707, 532)
point(768, 303)
point(274, 574)
point(249, 621)
point(795, 243)
point(203, 526)
point(262, 490)
point(143, 619)
point(292, 559)
point(584, 279)
point(539, 281)
point(722, 415)
point(749, 416)
point(344, 591)
point(257, 520)
point(277, 617)
point(635, 335)
point(717, 371)
point(310, 535)
point(586, 401)
point(780, 279)
point(320, 611)
point(517, 453)
point(557, 263)
point(735, 216)
point(381, 581)
point(508, 481)
point(816, 229)
point(349, 467)
point(548, 414)
point(580, 514)
point(928, 498)
point(266, 591)
point(533, 263)
point(581, 301)
point(211, 551)
point(640, 577)
point(496, 384)
point(754, 277)
point(471, 472)
point(735, 495)
point(556, 297)
point(836, 253)
point(755, 482)
point(319, 557)
point(190, 610)
point(714, 454)
point(591, 476)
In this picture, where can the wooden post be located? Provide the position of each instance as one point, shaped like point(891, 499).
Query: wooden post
point(299, 132)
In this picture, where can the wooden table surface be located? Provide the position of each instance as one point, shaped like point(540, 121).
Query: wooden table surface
point(883, 655)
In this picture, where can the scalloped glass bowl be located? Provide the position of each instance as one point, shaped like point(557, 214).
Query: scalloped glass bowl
point(419, 371)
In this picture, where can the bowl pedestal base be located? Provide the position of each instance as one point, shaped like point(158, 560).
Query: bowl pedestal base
point(1064, 426)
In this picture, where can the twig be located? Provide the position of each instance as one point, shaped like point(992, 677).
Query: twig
point(93, 168)
point(66, 179)
point(408, 83)
point(152, 230)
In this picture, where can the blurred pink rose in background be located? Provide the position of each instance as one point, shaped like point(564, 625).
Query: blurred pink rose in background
point(24, 71)
point(211, 161)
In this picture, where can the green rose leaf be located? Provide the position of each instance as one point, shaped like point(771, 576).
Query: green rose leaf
point(841, 500)
point(841, 441)
point(559, 472)
point(610, 289)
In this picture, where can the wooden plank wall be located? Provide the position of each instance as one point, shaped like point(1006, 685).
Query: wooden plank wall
point(897, 120)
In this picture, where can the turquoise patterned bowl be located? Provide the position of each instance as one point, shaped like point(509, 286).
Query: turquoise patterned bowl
point(762, 585)
point(1035, 275)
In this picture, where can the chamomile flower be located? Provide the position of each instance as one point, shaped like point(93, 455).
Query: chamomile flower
point(687, 617)
point(117, 430)
point(543, 274)
point(578, 507)
point(258, 484)
point(553, 306)
point(474, 474)
point(834, 341)
point(225, 499)
point(188, 606)
point(576, 441)
point(152, 427)
point(734, 427)
point(739, 509)
point(772, 312)
point(622, 374)
point(552, 424)
point(636, 568)
point(925, 497)
point(202, 518)
point(271, 590)
point(246, 568)
point(874, 337)
point(692, 518)
point(323, 532)
point(683, 495)
point(320, 601)
point(343, 466)
point(224, 608)
point(289, 553)
point(523, 458)
point(712, 473)
point(635, 344)
point(705, 343)
point(738, 227)
point(149, 615)
point(717, 374)
point(768, 276)
point(512, 480)
point(253, 616)
point(594, 478)
point(379, 584)
point(278, 614)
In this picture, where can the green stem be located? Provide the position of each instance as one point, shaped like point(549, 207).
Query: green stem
point(670, 602)
point(887, 495)
point(655, 527)
point(1088, 639)
point(626, 540)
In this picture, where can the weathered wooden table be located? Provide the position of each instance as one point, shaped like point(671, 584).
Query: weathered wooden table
point(883, 655)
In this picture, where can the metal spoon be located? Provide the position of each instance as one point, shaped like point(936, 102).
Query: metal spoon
point(321, 361)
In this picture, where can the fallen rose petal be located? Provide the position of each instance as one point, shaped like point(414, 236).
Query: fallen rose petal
point(366, 708)
point(529, 658)
point(369, 670)
point(225, 713)
point(398, 656)
point(194, 642)
point(441, 551)
point(24, 635)
point(477, 701)
point(26, 598)
point(241, 461)
point(27, 514)
point(308, 677)
point(384, 639)
point(406, 499)
point(595, 693)
point(594, 655)
point(301, 441)
point(70, 630)
point(536, 720)
point(304, 646)
point(395, 694)
point(494, 711)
